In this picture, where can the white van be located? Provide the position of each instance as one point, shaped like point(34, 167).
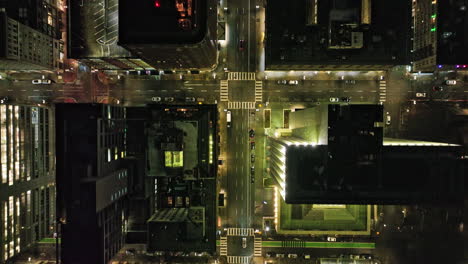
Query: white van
point(228, 118)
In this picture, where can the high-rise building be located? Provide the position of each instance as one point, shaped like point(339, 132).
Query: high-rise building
point(440, 39)
point(27, 187)
point(181, 34)
point(91, 181)
point(337, 35)
point(337, 154)
point(148, 36)
point(31, 34)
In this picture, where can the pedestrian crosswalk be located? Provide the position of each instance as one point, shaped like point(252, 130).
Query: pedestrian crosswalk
point(223, 246)
point(241, 76)
point(383, 91)
point(258, 91)
point(293, 244)
point(258, 247)
point(224, 90)
point(240, 232)
point(238, 259)
point(241, 105)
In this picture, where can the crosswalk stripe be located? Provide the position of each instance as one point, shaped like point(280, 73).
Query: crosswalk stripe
point(241, 76)
point(224, 90)
point(258, 91)
point(240, 231)
point(238, 259)
point(241, 105)
point(258, 247)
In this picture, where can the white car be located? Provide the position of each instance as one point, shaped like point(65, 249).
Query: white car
point(156, 99)
point(388, 119)
point(46, 81)
point(293, 82)
point(37, 81)
point(334, 99)
point(189, 99)
point(420, 94)
point(244, 242)
point(451, 82)
point(331, 239)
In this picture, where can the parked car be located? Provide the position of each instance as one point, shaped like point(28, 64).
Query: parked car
point(37, 81)
point(388, 119)
point(345, 99)
point(280, 255)
point(282, 82)
point(252, 170)
point(334, 99)
point(270, 254)
point(169, 99)
point(350, 81)
point(244, 242)
point(241, 45)
point(156, 99)
point(251, 133)
point(331, 239)
point(46, 81)
point(189, 99)
point(438, 88)
point(420, 94)
point(252, 179)
point(252, 158)
point(252, 145)
point(292, 255)
point(451, 82)
point(306, 256)
point(293, 82)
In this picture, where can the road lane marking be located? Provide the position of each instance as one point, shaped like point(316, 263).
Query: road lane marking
point(359, 91)
point(36, 90)
point(203, 91)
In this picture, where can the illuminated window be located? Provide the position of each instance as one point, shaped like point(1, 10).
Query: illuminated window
point(49, 18)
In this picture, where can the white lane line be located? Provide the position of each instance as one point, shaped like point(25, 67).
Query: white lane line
point(36, 90)
point(203, 91)
point(359, 91)
point(194, 84)
point(373, 91)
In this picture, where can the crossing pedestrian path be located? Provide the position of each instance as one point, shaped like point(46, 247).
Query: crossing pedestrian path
point(258, 91)
point(241, 105)
point(258, 247)
point(223, 246)
point(224, 91)
point(240, 232)
point(238, 259)
point(382, 91)
point(241, 76)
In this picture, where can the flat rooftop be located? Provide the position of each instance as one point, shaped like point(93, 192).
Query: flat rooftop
point(162, 21)
point(322, 34)
point(452, 32)
point(402, 174)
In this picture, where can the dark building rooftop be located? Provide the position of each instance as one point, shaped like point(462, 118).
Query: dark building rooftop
point(401, 174)
point(452, 32)
point(162, 21)
point(322, 34)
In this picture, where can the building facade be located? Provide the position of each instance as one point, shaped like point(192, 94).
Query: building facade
point(439, 29)
point(91, 181)
point(31, 34)
point(27, 187)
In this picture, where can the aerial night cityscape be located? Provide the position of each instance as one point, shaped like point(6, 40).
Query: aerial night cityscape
point(233, 131)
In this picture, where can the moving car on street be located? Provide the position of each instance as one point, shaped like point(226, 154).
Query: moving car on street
point(420, 94)
point(189, 99)
point(334, 99)
point(156, 99)
point(451, 82)
point(244, 242)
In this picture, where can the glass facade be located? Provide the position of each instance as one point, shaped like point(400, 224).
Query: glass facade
point(27, 187)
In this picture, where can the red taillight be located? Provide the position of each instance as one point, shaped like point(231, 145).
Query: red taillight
point(157, 3)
